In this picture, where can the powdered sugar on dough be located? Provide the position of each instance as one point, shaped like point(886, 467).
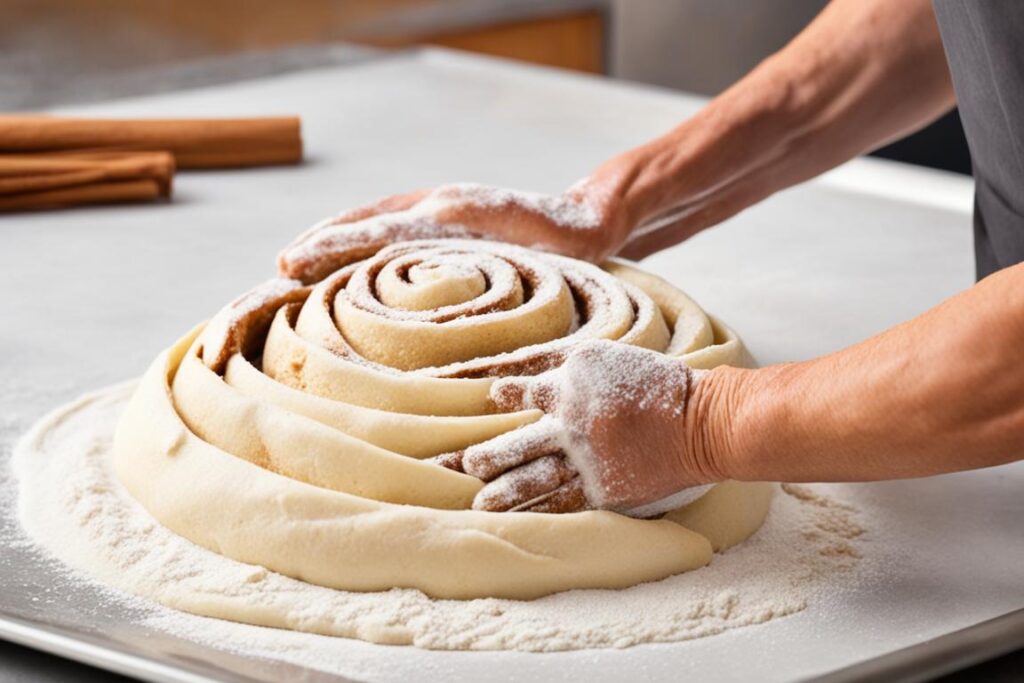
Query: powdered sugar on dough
point(72, 505)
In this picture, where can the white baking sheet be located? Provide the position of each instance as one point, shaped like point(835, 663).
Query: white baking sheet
point(90, 296)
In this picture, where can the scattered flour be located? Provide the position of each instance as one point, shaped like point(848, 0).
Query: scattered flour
point(71, 505)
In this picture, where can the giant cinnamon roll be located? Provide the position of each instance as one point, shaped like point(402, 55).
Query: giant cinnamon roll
point(297, 429)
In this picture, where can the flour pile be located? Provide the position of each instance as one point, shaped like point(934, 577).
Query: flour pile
point(72, 505)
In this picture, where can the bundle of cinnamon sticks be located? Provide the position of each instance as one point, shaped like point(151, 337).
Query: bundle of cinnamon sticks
point(50, 161)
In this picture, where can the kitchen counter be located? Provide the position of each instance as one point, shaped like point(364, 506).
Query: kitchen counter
point(93, 294)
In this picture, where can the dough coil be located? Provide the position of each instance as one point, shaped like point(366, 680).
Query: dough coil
point(292, 430)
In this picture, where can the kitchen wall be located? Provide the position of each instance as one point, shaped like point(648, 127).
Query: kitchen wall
point(55, 51)
point(701, 45)
point(705, 45)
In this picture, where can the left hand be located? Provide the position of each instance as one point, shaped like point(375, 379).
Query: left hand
point(588, 221)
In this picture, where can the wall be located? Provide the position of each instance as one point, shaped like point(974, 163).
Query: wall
point(703, 46)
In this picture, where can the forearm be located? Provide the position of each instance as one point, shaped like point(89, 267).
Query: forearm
point(863, 73)
point(940, 393)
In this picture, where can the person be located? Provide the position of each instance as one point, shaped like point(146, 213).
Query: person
point(940, 393)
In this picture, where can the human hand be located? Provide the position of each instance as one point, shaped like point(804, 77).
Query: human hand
point(820, 101)
point(634, 204)
point(617, 435)
point(588, 221)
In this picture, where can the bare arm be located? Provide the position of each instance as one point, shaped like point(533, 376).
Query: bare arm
point(863, 73)
point(940, 393)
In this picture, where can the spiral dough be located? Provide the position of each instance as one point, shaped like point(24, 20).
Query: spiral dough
point(293, 431)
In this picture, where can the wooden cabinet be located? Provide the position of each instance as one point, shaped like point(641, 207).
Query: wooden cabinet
point(124, 34)
point(572, 41)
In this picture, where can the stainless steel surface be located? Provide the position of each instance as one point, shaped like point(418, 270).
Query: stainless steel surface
point(943, 655)
point(90, 296)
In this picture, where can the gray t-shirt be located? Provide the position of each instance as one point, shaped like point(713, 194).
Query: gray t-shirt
point(984, 41)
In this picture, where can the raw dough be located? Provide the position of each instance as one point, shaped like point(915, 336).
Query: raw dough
point(303, 452)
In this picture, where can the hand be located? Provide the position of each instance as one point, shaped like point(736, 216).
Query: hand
point(820, 101)
point(616, 436)
point(588, 221)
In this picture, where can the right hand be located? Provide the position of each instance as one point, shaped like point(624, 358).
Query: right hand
point(618, 434)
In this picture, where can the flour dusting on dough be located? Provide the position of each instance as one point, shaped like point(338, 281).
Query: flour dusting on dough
point(810, 545)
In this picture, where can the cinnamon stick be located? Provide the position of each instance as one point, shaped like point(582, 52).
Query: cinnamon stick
point(195, 143)
point(24, 173)
point(95, 193)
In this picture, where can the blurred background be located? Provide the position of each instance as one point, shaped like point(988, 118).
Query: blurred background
point(63, 51)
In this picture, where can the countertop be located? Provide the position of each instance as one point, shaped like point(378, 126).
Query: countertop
point(91, 295)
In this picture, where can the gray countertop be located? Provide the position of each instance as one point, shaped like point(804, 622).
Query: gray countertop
point(91, 295)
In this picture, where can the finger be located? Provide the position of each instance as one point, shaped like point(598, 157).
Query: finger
point(543, 394)
point(492, 458)
point(511, 394)
point(392, 204)
point(569, 497)
point(337, 242)
point(524, 484)
point(454, 460)
point(397, 202)
point(451, 461)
